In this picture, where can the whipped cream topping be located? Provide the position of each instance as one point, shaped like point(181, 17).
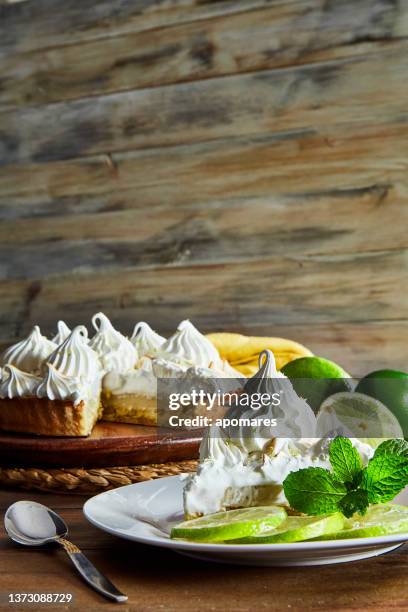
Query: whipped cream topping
point(16, 383)
point(74, 358)
point(194, 377)
point(145, 340)
point(115, 351)
point(215, 448)
point(162, 368)
point(57, 386)
point(141, 380)
point(188, 344)
point(62, 334)
point(29, 354)
point(294, 417)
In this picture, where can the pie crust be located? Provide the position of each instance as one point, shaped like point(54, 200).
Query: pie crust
point(48, 417)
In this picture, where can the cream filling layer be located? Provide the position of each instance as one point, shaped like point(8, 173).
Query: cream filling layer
point(143, 379)
point(140, 381)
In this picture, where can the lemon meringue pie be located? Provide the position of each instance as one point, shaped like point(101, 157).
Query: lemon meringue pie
point(61, 387)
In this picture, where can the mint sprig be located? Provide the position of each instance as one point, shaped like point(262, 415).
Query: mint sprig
point(345, 460)
point(350, 487)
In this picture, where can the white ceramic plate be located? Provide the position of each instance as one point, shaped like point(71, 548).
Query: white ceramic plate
point(144, 512)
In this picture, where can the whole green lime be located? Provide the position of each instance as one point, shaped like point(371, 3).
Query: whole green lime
point(315, 378)
point(391, 388)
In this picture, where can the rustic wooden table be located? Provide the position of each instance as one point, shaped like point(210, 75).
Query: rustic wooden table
point(158, 579)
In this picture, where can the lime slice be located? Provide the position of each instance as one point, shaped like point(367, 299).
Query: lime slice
point(315, 378)
point(357, 415)
point(382, 519)
point(298, 528)
point(230, 524)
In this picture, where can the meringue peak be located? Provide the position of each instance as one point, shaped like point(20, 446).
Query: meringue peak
point(29, 354)
point(188, 344)
point(16, 383)
point(146, 340)
point(115, 351)
point(75, 358)
point(57, 386)
point(62, 333)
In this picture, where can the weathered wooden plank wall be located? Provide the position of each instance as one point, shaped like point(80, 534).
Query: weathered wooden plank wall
point(239, 162)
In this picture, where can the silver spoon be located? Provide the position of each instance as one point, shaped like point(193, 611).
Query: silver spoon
point(33, 524)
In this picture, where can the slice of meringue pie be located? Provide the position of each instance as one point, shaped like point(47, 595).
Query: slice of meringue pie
point(130, 393)
point(245, 465)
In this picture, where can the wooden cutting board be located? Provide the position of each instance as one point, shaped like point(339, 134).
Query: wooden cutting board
point(109, 445)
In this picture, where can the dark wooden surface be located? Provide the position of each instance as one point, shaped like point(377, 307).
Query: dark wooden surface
point(156, 579)
point(109, 445)
point(239, 162)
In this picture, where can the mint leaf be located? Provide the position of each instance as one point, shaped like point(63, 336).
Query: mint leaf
point(313, 491)
point(392, 447)
point(345, 460)
point(354, 501)
point(384, 477)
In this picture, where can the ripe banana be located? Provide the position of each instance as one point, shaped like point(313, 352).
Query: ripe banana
point(242, 352)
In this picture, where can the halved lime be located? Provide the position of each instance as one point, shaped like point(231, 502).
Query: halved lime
point(297, 529)
point(391, 388)
point(382, 519)
point(315, 378)
point(357, 415)
point(230, 524)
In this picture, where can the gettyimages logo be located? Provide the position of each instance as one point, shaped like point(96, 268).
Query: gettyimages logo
point(298, 408)
point(208, 408)
point(196, 398)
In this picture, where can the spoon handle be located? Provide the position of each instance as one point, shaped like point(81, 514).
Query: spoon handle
point(89, 572)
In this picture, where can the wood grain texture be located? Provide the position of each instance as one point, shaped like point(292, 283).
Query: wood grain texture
point(337, 159)
point(156, 578)
point(203, 233)
point(295, 290)
point(37, 25)
point(268, 37)
point(243, 164)
point(267, 101)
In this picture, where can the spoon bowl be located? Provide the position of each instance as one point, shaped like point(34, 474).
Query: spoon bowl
point(32, 524)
